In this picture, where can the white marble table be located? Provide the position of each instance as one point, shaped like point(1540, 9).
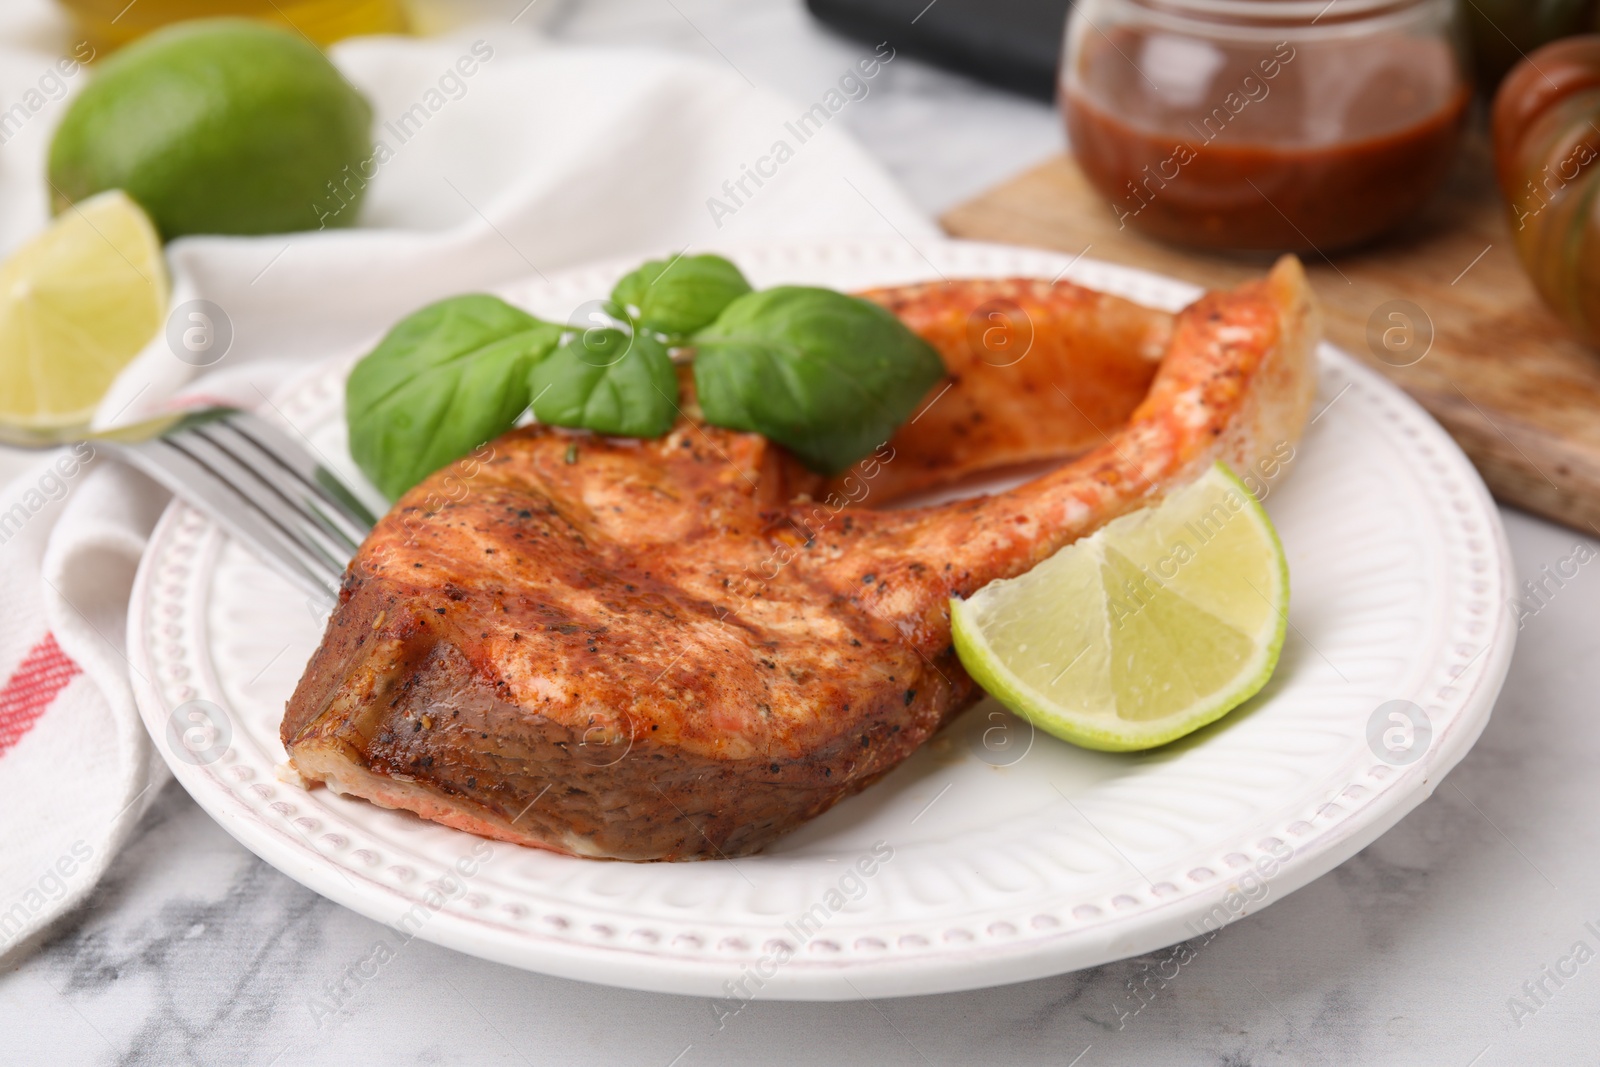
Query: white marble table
point(193, 951)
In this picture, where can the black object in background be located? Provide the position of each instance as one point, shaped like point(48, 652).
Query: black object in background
point(1014, 44)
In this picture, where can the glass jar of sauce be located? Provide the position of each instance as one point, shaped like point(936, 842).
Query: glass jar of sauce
point(1265, 125)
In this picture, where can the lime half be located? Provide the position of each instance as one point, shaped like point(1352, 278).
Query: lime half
point(1164, 620)
point(77, 303)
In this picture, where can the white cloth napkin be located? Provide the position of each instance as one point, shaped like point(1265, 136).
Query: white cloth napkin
point(543, 157)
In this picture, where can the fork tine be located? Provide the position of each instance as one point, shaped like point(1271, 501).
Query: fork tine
point(296, 458)
point(277, 507)
point(309, 501)
point(235, 512)
point(320, 557)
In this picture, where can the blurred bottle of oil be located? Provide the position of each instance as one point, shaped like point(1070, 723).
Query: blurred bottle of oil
point(109, 24)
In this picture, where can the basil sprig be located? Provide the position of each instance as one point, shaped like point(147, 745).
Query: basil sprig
point(828, 376)
point(607, 381)
point(619, 379)
point(675, 297)
point(443, 381)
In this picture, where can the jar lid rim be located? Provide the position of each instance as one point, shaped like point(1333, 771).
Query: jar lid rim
point(1306, 12)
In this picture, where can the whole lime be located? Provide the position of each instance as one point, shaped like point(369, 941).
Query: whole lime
point(219, 126)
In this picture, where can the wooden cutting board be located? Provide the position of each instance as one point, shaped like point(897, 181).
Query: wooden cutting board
point(1502, 375)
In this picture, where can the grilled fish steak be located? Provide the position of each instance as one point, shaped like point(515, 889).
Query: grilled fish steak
point(657, 650)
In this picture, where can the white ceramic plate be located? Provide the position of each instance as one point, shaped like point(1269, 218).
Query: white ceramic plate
point(999, 856)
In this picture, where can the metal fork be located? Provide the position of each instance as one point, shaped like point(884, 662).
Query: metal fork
point(257, 484)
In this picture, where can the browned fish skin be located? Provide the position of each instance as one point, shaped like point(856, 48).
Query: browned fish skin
point(645, 650)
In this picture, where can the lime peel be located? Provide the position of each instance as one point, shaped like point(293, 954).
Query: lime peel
point(1162, 621)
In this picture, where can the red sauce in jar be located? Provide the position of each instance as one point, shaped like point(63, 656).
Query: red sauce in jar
point(1268, 147)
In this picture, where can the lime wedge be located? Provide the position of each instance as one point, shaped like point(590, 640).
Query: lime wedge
point(1164, 620)
point(77, 303)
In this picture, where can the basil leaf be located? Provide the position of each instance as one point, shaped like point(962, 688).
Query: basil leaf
point(829, 376)
point(443, 381)
point(676, 297)
point(607, 381)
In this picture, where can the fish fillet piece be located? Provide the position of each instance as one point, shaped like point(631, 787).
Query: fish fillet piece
point(651, 650)
point(1037, 371)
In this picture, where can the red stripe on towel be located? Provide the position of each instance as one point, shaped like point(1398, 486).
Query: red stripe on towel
point(43, 673)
